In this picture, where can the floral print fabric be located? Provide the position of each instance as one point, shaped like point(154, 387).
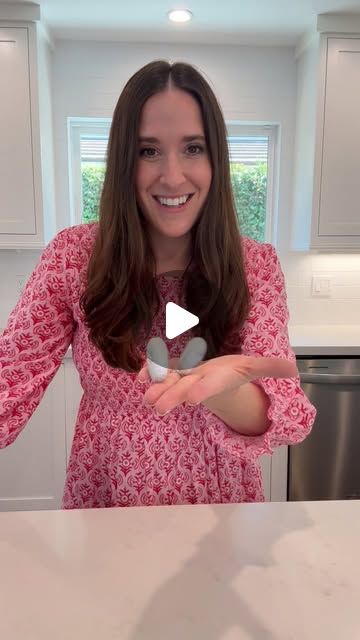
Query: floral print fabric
point(123, 454)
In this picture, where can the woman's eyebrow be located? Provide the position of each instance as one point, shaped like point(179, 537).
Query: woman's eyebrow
point(185, 138)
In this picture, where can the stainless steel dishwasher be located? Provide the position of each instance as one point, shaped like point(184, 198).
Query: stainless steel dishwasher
point(326, 465)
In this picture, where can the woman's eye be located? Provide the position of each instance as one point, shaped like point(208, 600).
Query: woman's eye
point(148, 152)
point(195, 149)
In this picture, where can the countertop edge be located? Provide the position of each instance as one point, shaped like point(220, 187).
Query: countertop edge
point(304, 350)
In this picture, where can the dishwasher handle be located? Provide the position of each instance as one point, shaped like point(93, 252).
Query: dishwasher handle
point(329, 378)
point(329, 370)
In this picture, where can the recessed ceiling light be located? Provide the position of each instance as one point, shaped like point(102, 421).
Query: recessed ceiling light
point(180, 15)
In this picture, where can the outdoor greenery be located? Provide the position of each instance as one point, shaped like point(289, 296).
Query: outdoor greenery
point(249, 187)
point(92, 180)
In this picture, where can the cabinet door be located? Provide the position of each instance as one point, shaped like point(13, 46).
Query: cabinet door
point(265, 464)
point(279, 474)
point(17, 194)
point(73, 394)
point(32, 469)
point(339, 186)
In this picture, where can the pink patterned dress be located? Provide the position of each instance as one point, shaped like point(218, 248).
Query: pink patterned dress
point(123, 454)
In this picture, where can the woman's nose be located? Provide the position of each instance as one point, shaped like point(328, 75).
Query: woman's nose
point(172, 171)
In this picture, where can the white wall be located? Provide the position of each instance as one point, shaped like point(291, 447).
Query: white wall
point(253, 85)
point(344, 305)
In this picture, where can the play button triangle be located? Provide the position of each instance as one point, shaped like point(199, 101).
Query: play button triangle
point(178, 320)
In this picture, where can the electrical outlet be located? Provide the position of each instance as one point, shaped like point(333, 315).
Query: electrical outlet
point(20, 282)
point(321, 287)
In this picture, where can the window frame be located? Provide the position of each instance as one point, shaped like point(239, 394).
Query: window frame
point(78, 126)
point(271, 131)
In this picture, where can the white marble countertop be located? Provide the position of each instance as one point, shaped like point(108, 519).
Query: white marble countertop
point(326, 340)
point(320, 340)
point(272, 571)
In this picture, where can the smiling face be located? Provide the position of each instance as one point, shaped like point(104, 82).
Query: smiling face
point(173, 173)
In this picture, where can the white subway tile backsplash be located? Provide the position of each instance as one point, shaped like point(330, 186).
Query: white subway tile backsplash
point(337, 262)
point(345, 278)
point(346, 292)
point(13, 264)
point(342, 308)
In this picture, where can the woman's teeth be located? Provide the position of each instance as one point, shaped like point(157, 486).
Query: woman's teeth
point(173, 202)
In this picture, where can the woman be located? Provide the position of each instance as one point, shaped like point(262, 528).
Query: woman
point(167, 231)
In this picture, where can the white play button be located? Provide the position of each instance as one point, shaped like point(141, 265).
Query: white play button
point(178, 320)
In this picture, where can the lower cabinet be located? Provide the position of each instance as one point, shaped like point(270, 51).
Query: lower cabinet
point(274, 473)
point(278, 475)
point(265, 463)
point(73, 393)
point(32, 469)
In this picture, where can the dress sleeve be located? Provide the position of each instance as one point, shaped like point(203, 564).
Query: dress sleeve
point(35, 340)
point(265, 333)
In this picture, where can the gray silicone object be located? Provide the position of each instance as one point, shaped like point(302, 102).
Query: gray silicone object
point(192, 355)
point(157, 359)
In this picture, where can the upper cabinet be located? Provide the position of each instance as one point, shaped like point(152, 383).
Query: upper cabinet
point(336, 210)
point(326, 212)
point(27, 215)
point(17, 179)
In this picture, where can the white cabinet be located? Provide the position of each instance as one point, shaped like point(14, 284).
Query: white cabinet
point(17, 215)
point(33, 467)
point(326, 210)
point(27, 193)
point(265, 463)
point(20, 173)
point(73, 394)
point(336, 213)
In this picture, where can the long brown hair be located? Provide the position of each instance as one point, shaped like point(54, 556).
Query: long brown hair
point(121, 295)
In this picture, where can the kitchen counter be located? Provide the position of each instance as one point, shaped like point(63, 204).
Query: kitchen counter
point(272, 571)
point(325, 340)
point(320, 340)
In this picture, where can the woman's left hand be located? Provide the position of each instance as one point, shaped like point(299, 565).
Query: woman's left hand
point(216, 376)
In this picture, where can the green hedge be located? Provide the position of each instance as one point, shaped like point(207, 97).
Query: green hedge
point(92, 181)
point(249, 187)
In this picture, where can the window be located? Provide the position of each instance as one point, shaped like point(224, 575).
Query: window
point(251, 153)
point(88, 138)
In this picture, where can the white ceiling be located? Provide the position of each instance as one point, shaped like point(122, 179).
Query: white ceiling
point(267, 22)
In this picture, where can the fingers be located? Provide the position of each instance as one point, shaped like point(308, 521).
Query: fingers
point(212, 384)
point(143, 375)
point(192, 389)
point(175, 394)
point(212, 378)
point(157, 389)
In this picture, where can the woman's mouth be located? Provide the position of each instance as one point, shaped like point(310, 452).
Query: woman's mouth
point(173, 204)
